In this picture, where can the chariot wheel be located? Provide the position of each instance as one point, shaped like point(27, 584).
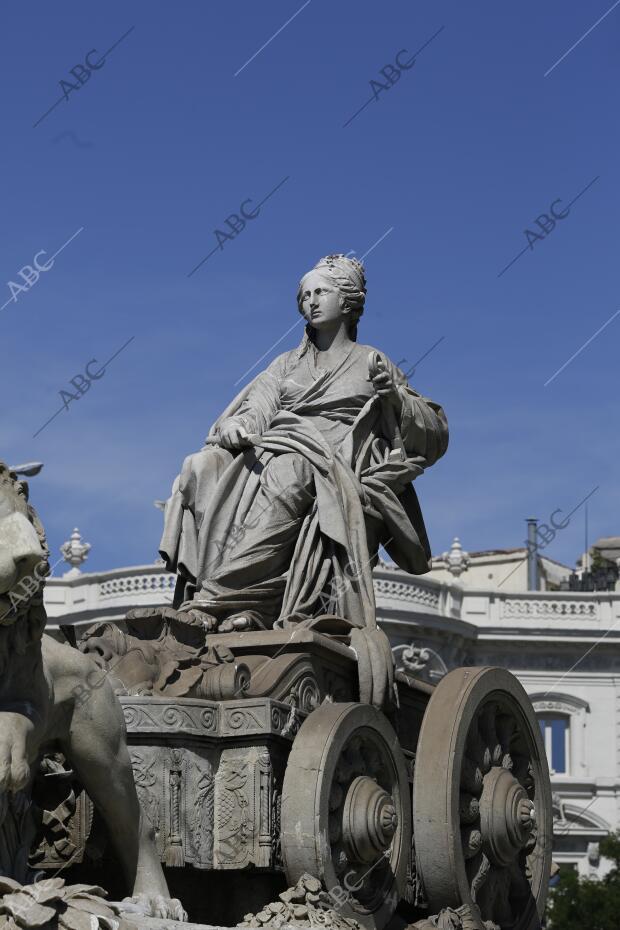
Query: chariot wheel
point(346, 810)
point(482, 821)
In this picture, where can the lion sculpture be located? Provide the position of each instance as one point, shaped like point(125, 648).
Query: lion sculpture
point(40, 681)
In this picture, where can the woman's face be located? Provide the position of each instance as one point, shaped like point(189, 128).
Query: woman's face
point(320, 301)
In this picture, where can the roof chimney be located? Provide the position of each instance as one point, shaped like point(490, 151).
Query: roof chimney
point(532, 554)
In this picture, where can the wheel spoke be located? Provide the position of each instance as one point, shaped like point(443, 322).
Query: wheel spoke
point(489, 733)
point(478, 750)
point(506, 729)
point(479, 875)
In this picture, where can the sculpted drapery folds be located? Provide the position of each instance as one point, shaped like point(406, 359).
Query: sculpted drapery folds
point(279, 518)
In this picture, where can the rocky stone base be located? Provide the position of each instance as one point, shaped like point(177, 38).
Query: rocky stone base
point(305, 905)
point(155, 923)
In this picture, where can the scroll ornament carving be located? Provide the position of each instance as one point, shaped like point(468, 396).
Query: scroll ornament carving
point(240, 718)
point(419, 662)
point(414, 658)
point(307, 694)
point(173, 717)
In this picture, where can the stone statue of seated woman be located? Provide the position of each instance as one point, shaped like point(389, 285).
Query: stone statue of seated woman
point(306, 474)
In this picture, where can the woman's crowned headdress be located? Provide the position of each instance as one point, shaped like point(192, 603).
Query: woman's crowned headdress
point(348, 274)
point(349, 277)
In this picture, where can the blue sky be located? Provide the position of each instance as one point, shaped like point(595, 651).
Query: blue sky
point(450, 166)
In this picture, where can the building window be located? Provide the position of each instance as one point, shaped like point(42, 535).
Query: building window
point(555, 733)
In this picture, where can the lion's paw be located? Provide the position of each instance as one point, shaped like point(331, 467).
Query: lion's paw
point(156, 905)
point(14, 765)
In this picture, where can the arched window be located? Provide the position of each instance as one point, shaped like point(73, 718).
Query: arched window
point(562, 719)
point(555, 730)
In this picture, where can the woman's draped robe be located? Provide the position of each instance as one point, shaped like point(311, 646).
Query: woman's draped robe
point(309, 548)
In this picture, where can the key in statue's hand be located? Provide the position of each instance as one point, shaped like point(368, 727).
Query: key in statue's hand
point(382, 380)
point(386, 388)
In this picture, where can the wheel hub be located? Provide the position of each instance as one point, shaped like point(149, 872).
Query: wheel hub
point(369, 820)
point(507, 816)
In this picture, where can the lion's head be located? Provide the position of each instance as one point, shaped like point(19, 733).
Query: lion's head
point(24, 565)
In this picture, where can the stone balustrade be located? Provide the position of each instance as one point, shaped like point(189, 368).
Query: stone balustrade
point(80, 597)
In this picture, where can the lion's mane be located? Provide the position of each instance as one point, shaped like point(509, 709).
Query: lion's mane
point(25, 622)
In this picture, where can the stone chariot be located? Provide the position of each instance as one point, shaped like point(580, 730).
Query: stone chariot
point(275, 766)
